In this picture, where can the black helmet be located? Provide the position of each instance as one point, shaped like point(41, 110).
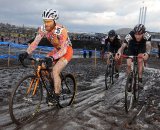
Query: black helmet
point(111, 33)
point(139, 28)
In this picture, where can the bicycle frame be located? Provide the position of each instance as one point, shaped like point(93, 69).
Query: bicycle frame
point(39, 73)
point(112, 60)
point(30, 88)
point(133, 87)
point(134, 70)
point(134, 65)
point(110, 71)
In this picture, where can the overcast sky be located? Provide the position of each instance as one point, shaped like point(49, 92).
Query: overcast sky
point(83, 15)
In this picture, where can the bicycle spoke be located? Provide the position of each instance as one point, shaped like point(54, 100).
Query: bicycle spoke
point(23, 106)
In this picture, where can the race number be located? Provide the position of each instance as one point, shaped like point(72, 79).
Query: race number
point(58, 31)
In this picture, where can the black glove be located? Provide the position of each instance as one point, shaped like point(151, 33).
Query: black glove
point(48, 61)
point(23, 56)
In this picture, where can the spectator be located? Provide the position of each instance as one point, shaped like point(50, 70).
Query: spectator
point(84, 53)
point(2, 39)
point(159, 50)
point(90, 53)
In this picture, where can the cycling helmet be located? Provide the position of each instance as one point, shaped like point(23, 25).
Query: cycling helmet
point(111, 33)
point(139, 28)
point(50, 14)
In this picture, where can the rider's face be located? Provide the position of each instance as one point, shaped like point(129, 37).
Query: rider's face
point(49, 24)
point(138, 37)
point(112, 38)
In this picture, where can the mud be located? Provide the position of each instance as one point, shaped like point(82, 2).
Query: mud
point(94, 108)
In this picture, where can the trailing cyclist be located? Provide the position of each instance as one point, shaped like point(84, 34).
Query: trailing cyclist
point(138, 42)
point(112, 44)
point(62, 53)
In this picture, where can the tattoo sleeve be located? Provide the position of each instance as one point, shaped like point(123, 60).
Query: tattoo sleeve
point(148, 47)
point(121, 49)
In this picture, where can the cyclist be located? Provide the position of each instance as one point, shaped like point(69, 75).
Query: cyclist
point(138, 42)
point(62, 52)
point(102, 48)
point(112, 44)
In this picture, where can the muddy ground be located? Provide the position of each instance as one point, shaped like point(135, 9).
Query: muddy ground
point(94, 107)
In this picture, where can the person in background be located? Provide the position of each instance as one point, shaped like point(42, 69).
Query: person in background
point(138, 42)
point(84, 53)
point(112, 44)
point(2, 39)
point(102, 48)
point(90, 53)
point(159, 50)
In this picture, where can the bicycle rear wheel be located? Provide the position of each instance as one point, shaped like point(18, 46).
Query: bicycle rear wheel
point(108, 77)
point(23, 105)
point(68, 91)
point(129, 93)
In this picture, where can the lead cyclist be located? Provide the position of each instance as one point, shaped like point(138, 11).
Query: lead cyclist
point(62, 53)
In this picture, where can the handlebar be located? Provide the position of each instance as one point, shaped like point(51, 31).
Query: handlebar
point(125, 56)
point(38, 60)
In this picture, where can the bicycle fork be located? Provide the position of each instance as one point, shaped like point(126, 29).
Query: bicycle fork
point(36, 82)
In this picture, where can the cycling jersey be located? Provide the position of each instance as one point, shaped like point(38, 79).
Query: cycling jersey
point(57, 37)
point(112, 46)
point(134, 47)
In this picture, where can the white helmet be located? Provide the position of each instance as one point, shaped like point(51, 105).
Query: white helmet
point(50, 14)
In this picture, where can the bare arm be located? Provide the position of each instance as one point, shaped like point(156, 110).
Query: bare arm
point(36, 41)
point(121, 49)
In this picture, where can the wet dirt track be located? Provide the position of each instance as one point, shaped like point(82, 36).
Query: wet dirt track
point(94, 107)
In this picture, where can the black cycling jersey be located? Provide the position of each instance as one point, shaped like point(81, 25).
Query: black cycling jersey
point(114, 45)
point(134, 47)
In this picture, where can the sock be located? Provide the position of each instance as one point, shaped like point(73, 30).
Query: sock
point(116, 71)
point(140, 80)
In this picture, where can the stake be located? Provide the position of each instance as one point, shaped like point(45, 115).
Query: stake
point(95, 59)
point(9, 50)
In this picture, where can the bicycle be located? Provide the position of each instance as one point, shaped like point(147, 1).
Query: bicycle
point(110, 72)
point(132, 84)
point(26, 98)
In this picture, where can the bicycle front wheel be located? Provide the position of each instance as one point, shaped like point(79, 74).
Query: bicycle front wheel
point(108, 77)
point(23, 104)
point(69, 89)
point(136, 88)
point(129, 93)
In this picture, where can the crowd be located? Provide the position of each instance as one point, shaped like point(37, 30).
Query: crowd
point(14, 39)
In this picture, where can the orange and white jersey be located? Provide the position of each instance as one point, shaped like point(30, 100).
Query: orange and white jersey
point(58, 38)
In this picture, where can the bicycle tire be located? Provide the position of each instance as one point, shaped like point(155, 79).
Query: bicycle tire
point(22, 106)
point(129, 95)
point(68, 91)
point(108, 77)
point(113, 70)
point(136, 88)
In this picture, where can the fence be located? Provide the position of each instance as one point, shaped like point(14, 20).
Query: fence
point(9, 50)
